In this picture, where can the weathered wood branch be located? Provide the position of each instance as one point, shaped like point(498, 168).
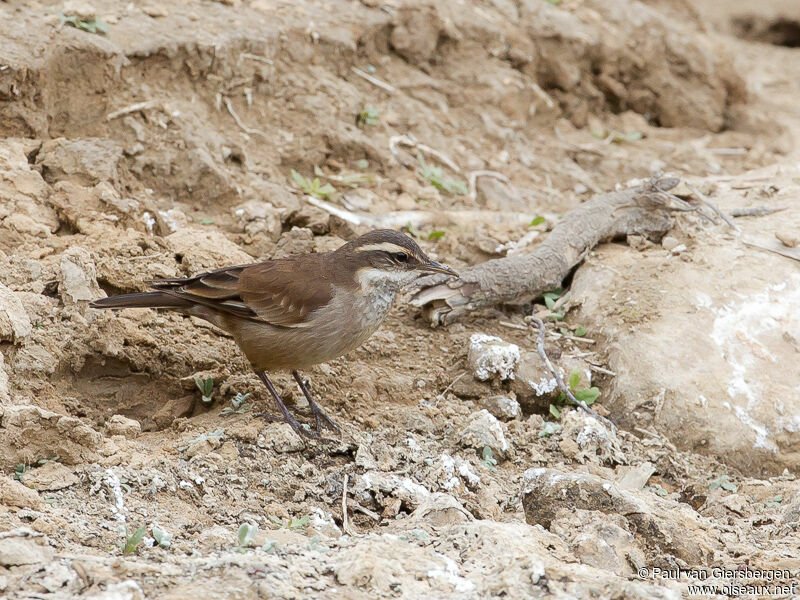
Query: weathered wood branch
point(644, 210)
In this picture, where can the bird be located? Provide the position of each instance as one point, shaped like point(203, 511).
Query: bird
point(291, 313)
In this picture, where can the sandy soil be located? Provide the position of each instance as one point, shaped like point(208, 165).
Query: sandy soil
point(166, 146)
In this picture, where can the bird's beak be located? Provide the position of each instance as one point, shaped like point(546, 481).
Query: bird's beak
point(436, 267)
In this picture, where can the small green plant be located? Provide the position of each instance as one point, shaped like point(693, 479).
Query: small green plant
point(293, 524)
point(580, 331)
point(722, 482)
point(436, 178)
point(586, 395)
point(436, 235)
point(776, 501)
point(132, 540)
point(555, 411)
point(20, 470)
point(368, 116)
point(246, 535)
point(489, 461)
point(313, 187)
point(238, 405)
point(206, 387)
point(550, 299)
point(162, 537)
point(549, 428)
point(95, 25)
point(538, 220)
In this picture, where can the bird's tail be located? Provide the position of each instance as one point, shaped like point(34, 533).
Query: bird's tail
point(142, 300)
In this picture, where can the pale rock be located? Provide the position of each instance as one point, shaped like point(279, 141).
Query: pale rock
point(204, 249)
point(789, 238)
point(33, 358)
point(14, 322)
point(669, 242)
point(86, 161)
point(121, 425)
point(490, 356)
point(123, 590)
point(78, 8)
point(483, 430)
point(24, 547)
point(503, 407)
point(78, 276)
point(13, 493)
point(438, 510)
point(584, 438)
point(49, 477)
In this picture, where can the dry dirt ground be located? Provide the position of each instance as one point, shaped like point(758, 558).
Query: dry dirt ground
point(165, 147)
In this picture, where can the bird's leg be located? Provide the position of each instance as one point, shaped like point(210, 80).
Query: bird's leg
point(316, 409)
point(287, 416)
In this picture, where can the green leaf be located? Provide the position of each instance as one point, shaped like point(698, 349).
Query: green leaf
point(299, 179)
point(436, 235)
point(588, 396)
point(580, 331)
point(488, 457)
point(549, 302)
point(246, 534)
point(538, 220)
point(131, 541)
point(555, 411)
point(549, 428)
point(574, 379)
point(296, 524)
point(162, 537)
point(722, 482)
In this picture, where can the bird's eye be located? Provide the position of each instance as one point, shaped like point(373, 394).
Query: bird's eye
point(401, 257)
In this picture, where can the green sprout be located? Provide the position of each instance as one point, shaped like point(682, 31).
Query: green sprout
point(246, 535)
point(436, 178)
point(293, 524)
point(368, 116)
point(550, 299)
point(538, 220)
point(489, 461)
point(206, 387)
point(162, 537)
point(436, 235)
point(239, 405)
point(95, 25)
point(313, 187)
point(132, 540)
point(549, 428)
point(722, 482)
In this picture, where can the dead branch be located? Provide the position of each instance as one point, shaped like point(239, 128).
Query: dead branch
point(560, 380)
point(643, 210)
point(756, 211)
point(704, 199)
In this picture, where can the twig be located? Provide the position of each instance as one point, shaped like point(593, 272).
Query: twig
point(407, 140)
point(374, 80)
point(793, 253)
point(542, 94)
point(757, 211)
point(598, 369)
point(239, 122)
point(512, 325)
point(704, 199)
point(345, 524)
point(473, 180)
point(440, 397)
point(256, 57)
point(574, 338)
point(132, 108)
point(560, 380)
point(358, 508)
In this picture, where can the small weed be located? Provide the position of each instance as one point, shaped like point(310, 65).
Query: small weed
point(293, 524)
point(20, 470)
point(586, 395)
point(550, 299)
point(246, 535)
point(549, 428)
point(776, 501)
point(538, 220)
point(95, 25)
point(206, 387)
point(489, 461)
point(132, 540)
point(162, 537)
point(555, 411)
point(658, 490)
point(436, 235)
point(368, 116)
point(206, 221)
point(722, 482)
point(214, 435)
point(436, 178)
point(313, 187)
point(580, 331)
point(239, 405)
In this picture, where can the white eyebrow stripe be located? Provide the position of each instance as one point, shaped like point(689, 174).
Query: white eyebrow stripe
point(385, 246)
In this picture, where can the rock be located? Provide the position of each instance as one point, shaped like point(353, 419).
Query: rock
point(174, 408)
point(584, 438)
point(678, 249)
point(489, 356)
point(14, 322)
point(13, 493)
point(668, 242)
point(534, 384)
point(124, 590)
point(415, 35)
point(34, 359)
point(789, 238)
point(78, 276)
point(282, 438)
point(635, 477)
point(120, 425)
point(670, 526)
point(154, 10)
point(740, 402)
point(484, 430)
point(49, 477)
point(24, 547)
point(503, 407)
point(5, 396)
point(29, 433)
point(83, 161)
point(438, 510)
point(78, 8)
point(202, 249)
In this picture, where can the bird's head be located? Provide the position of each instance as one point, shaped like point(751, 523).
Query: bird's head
point(388, 258)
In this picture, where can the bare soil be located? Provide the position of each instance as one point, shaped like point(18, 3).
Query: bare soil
point(166, 146)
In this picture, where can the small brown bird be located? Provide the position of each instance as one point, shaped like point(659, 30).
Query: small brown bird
point(295, 312)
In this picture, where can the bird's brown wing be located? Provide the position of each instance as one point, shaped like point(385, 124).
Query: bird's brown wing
point(274, 291)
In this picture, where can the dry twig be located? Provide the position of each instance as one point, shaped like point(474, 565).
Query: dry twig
point(560, 380)
point(410, 141)
point(756, 211)
point(239, 122)
point(473, 180)
point(345, 524)
point(704, 199)
point(133, 108)
point(374, 80)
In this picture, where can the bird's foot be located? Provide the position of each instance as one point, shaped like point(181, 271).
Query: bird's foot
point(319, 415)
